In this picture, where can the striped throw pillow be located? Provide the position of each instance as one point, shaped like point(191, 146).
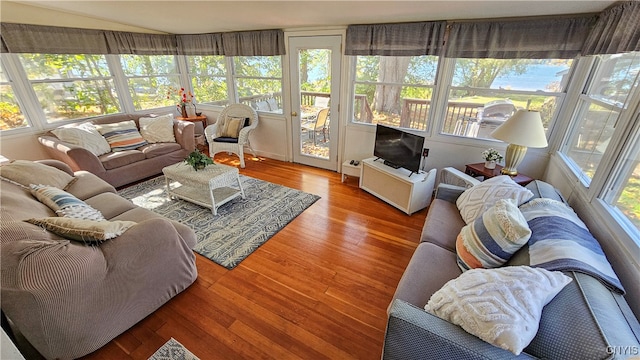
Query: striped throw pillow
point(491, 240)
point(122, 136)
point(65, 204)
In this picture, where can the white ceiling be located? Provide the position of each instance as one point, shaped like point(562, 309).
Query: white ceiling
point(190, 17)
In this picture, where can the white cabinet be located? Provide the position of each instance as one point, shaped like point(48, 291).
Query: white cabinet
point(396, 187)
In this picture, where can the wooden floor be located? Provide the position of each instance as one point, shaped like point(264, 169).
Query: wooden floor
point(318, 289)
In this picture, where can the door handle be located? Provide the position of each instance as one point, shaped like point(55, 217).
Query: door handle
point(294, 113)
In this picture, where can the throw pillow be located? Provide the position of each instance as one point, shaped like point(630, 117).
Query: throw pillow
point(84, 135)
point(157, 129)
point(475, 200)
point(500, 306)
point(232, 126)
point(87, 231)
point(65, 204)
point(491, 240)
point(122, 136)
point(26, 172)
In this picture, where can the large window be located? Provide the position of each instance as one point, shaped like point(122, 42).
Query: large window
point(150, 79)
point(599, 108)
point(258, 81)
point(11, 116)
point(394, 90)
point(71, 86)
point(209, 79)
point(486, 92)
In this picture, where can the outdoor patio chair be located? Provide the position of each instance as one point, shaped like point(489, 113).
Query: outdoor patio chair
point(221, 140)
point(319, 124)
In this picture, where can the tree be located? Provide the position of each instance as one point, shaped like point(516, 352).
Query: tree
point(392, 70)
point(480, 73)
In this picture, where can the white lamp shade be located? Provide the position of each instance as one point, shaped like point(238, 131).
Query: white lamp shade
point(523, 128)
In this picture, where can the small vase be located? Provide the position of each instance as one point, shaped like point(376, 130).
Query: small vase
point(490, 164)
point(191, 111)
point(183, 111)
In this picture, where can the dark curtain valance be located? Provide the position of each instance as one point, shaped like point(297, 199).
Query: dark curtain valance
point(253, 43)
point(121, 42)
point(402, 39)
point(23, 38)
point(540, 38)
point(200, 44)
point(616, 31)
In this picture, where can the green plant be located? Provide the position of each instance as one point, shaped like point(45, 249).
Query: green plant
point(198, 160)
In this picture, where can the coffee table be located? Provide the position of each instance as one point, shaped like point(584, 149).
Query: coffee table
point(211, 187)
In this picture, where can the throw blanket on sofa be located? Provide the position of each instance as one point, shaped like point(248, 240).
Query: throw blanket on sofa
point(561, 241)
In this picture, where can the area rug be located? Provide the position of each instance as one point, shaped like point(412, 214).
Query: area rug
point(240, 227)
point(173, 350)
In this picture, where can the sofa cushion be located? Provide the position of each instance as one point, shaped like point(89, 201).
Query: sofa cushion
point(428, 270)
point(87, 231)
point(475, 200)
point(115, 160)
point(85, 135)
point(122, 136)
point(500, 306)
point(26, 172)
point(111, 205)
point(490, 240)
point(442, 225)
point(65, 204)
point(158, 149)
point(541, 189)
point(157, 129)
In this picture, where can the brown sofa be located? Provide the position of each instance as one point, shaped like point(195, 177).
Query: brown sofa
point(585, 320)
point(124, 167)
point(68, 299)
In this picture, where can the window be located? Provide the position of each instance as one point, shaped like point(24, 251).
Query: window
point(598, 111)
point(209, 79)
point(71, 86)
point(11, 116)
point(486, 92)
point(259, 79)
point(150, 78)
point(394, 90)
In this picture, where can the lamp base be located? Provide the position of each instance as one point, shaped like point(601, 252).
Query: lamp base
point(513, 158)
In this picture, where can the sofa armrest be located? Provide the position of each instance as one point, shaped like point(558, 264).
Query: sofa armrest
point(449, 192)
point(413, 333)
point(184, 131)
point(78, 158)
point(57, 164)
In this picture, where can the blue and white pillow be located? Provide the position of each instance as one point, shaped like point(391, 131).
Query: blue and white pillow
point(65, 204)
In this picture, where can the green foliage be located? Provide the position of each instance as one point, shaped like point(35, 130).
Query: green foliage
point(198, 160)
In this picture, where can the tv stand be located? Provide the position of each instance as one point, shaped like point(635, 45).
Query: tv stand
point(394, 186)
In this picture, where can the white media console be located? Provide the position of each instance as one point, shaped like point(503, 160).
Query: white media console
point(396, 187)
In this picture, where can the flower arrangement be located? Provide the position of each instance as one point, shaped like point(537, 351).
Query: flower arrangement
point(491, 154)
point(185, 98)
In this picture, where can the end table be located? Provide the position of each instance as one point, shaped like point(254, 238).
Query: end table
point(202, 119)
point(478, 169)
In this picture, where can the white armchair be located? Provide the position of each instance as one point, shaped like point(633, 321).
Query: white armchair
point(218, 143)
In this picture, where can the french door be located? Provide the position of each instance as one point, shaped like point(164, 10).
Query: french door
point(315, 96)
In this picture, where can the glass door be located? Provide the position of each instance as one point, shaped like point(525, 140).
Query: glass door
point(315, 78)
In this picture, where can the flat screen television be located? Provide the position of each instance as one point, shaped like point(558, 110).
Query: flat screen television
point(398, 148)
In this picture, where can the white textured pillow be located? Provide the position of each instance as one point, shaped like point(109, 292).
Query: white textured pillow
point(477, 199)
point(84, 135)
point(501, 306)
point(157, 129)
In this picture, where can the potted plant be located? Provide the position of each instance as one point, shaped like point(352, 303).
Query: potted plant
point(491, 156)
point(198, 160)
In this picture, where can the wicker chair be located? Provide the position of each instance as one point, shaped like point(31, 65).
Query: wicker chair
point(219, 144)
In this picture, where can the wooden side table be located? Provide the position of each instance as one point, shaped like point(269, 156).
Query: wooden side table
point(478, 169)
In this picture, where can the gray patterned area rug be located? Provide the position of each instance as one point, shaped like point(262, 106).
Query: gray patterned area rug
point(240, 227)
point(173, 350)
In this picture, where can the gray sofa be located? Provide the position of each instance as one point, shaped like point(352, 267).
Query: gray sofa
point(124, 167)
point(584, 321)
point(68, 299)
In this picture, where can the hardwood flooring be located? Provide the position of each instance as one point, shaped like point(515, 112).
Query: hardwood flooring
point(318, 289)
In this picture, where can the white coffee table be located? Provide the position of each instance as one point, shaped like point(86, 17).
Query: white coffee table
point(211, 187)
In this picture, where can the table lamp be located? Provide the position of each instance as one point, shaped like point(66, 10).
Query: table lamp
point(524, 129)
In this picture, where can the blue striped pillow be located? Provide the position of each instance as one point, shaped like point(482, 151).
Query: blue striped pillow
point(122, 136)
point(65, 204)
point(490, 240)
